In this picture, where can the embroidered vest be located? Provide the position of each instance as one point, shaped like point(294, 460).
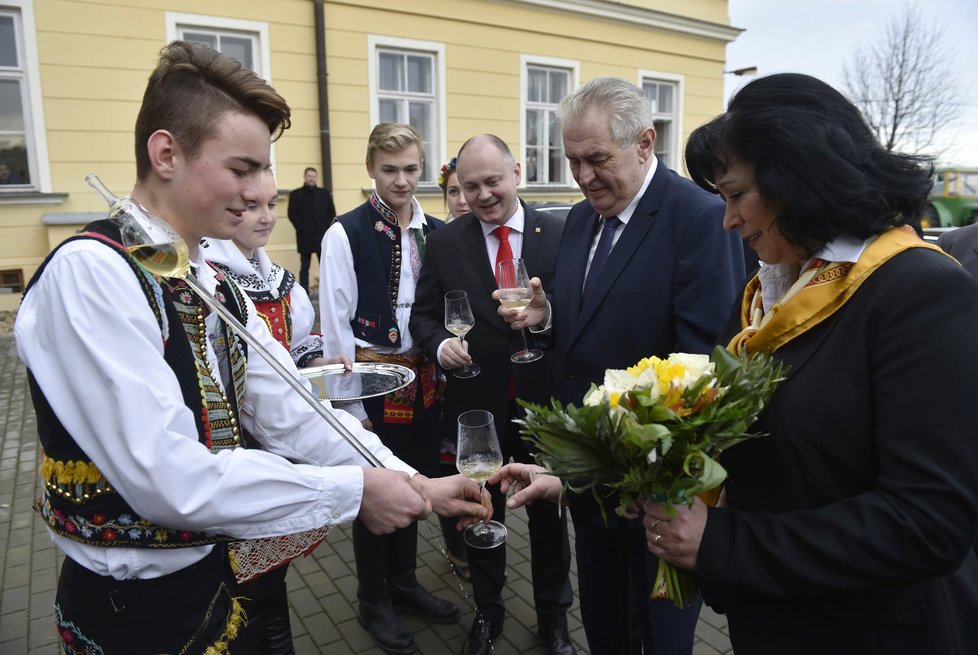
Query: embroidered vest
point(77, 501)
point(375, 242)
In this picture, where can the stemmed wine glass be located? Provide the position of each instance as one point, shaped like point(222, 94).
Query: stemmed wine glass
point(459, 320)
point(478, 457)
point(515, 293)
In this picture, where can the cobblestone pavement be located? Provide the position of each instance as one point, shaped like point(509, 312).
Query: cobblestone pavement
point(322, 587)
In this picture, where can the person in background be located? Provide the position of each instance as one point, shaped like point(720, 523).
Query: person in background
point(370, 266)
point(286, 310)
point(644, 269)
point(162, 439)
point(311, 212)
point(464, 255)
point(850, 527)
point(452, 191)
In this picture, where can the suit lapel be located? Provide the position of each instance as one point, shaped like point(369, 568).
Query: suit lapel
point(632, 237)
point(532, 238)
point(475, 243)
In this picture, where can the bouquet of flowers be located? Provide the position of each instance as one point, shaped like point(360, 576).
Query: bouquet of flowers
point(654, 431)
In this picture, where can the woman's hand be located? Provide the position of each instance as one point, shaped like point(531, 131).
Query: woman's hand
point(675, 537)
point(528, 482)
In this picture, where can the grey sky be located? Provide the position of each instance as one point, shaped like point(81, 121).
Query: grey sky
point(819, 36)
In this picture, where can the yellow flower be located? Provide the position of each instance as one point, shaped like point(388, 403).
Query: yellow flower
point(613, 399)
point(670, 373)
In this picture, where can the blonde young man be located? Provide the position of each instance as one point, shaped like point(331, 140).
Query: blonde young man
point(370, 266)
point(162, 439)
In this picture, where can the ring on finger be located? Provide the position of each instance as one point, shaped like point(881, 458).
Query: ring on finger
point(655, 523)
point(658, 538)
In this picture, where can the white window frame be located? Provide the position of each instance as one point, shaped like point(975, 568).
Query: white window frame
point(175, 21)
point(674, 147)
point(573, 66)
point(39, 164)
point(377, 42)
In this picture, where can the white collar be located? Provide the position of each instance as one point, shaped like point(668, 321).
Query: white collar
point(515, 223)
point(626, 213)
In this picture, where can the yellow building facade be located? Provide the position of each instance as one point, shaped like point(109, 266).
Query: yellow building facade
point(72, 74)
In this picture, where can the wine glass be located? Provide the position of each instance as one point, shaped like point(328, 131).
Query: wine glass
point(515, 293)
point(478, 457)
point(459, 320)
point(149, 239)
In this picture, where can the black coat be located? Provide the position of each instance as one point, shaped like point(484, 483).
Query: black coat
point(311, 212)
point(849, 528)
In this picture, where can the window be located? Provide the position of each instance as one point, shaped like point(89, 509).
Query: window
point(664, 99)
point(246, 41)
point(17, 161)
point(407, 86)
point(12, 281)
point(546, 82)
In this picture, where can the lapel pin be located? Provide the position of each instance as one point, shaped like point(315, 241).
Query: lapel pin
point(537, 230)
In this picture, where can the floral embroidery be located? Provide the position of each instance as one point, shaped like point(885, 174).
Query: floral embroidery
point(73, 642)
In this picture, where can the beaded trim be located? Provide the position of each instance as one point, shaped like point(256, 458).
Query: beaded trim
point(221, 428)
point(75, 481)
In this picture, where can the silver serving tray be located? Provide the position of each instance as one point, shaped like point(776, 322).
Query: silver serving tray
point(367, 380)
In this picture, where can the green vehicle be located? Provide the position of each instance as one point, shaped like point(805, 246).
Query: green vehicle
point(953, 201)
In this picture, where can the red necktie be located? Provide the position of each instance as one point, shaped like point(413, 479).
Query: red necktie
point(505, 251)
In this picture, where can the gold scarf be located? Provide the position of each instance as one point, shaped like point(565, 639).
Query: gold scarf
point(821, 290)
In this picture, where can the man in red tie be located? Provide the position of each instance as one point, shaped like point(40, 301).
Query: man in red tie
point(464, 255)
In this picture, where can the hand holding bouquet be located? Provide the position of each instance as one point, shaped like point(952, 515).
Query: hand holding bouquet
point(654, 431)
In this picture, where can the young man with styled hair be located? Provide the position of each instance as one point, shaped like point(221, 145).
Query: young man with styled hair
point(371, 262)
point(163, 440)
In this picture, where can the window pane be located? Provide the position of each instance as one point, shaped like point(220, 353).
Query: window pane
point(536, 83)
point(238, 48)
point(534, 159)
point(558, 86)
point(556, 139)
point(388, 111)
point(391, 71)
point(534, 127)
point(419, 117)
point(209, 40)
point(652, 93)
point(663, 140)
point(419, 74)
point(13, 160)
point(11, 108)
point(665, 98)
point(557, 165)
point(8, 42)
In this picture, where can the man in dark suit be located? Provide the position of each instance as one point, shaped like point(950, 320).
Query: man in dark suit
point(962, 244)
point(463, 255)
point(311, 211)
point(644, 268)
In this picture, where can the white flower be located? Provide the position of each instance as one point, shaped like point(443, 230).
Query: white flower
point(618, 381)
point(651, 456)
point(596, 396)
point(696, 365)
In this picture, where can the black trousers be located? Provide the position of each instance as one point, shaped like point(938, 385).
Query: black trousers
point(657, 626)
point(266, 602)
point(549, 550)
point(184, 612)
point(305, 259)
point(393, 557)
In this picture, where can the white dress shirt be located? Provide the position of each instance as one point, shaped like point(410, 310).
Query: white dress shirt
point(87, 333)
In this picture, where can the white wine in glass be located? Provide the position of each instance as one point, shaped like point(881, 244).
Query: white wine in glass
point(459, 320)
point(478, 456)
point(515, 293)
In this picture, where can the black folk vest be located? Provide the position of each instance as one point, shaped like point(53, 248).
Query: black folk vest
point(77, 501)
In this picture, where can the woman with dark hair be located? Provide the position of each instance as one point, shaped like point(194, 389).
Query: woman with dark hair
point(849, 527)
point(451, 191)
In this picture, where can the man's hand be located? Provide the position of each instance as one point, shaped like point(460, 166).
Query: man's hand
point(389, 501)
point(455, 495)
point(534, 314)
point(454, 354)
point(528, 482)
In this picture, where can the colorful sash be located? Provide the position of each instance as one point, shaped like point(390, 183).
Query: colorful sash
point(820, 291)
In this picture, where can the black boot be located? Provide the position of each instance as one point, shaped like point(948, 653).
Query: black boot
point(481, 636)
point(553, 633)
point(423, 603)
point(385, 627)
